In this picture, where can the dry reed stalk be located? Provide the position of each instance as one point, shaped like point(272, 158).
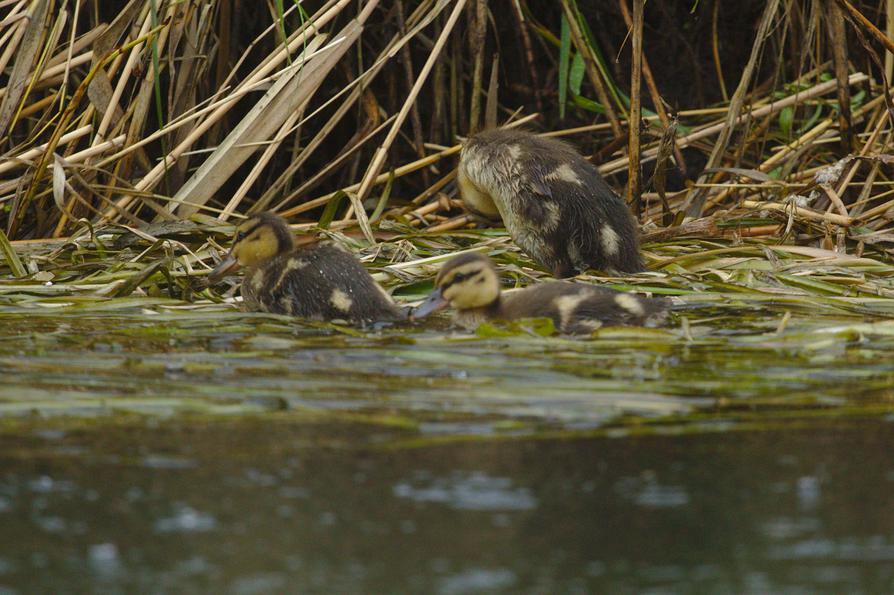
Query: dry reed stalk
point(845, 181)
point(24, 159)
point(381, 179)
point(261, 163)
point(334, 165)
point(433, 207)
point(493, 87)
point(715, 51)
point(407, 61)
point(867, 25)
point(697, 198)
point(396, 173)
point(434, 188)
point(799, 212)
point(153, 177)
point(889, 33)
point(62, 123)
point(451, 224)
point(379, 157)
point(590, 62)
point(477, 43)
point(634, 171)
point(418, 20)
point(529, 54)
point(26, 48)
point(111, 108)
point(657, 101)
point(838, 44)
point(192, 118)
point(288, 94)
point(710, 130)
point(255, 78)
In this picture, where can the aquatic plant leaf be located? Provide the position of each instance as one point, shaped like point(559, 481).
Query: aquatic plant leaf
point(564, 50)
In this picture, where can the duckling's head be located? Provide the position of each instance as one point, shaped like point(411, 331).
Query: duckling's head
point(258, 240)
point(466, 282)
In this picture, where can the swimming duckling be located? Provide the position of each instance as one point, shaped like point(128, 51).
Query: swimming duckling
point(470, 284)
point(553, 202)
point(320, 282)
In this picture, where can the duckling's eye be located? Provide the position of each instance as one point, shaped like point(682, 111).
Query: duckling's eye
point(460, 277)
point(240, 235)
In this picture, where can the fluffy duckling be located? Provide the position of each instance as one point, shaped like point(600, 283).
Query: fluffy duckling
point(470, 284)
point(553, 202)
point(320, 282)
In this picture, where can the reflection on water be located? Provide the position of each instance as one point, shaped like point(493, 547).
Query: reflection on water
point(460, 491)
point(259, 506)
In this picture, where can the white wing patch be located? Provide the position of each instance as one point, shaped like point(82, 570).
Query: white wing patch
point(564, 173)
point(590, 324)
point(257, 280)
point(340, 300)
point(630, 303)
point(567, 304)
point(611, 241)
point(293, 264)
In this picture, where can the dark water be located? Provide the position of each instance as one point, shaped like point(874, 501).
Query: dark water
point(263, 506)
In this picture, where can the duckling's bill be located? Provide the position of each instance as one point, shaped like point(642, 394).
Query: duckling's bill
point(226, 266)
point(435, 302)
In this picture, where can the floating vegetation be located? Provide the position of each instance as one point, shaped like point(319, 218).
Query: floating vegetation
point(132, 141)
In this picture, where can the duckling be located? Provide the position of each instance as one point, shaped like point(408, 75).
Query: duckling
point(470, 284)
point(320, 282)
point(553, 202)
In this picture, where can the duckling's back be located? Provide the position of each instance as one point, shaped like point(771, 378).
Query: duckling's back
point(554, 203)
point(581, 308)
point(322, 282)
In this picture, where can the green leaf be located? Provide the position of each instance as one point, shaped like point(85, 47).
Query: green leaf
point(383, 199)
point(564, 52)
point(331, 208)
point(613, 88)
point(542, 327)
point(576, 75)
point(12, 259)
point(786, 117)
point(812, 120)
point(588, 104)
point(156, 71)
point(486, 330)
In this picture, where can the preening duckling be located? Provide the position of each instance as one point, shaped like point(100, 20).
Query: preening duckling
point(470, 284)
point(320, 282)
point(553, 202)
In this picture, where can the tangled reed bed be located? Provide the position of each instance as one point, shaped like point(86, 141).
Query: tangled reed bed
point(132, 134)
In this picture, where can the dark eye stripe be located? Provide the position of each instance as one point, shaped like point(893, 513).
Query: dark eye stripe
point(241, 235)
point(460, 277)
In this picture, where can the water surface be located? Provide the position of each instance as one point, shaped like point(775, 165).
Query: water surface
point(150, 449)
